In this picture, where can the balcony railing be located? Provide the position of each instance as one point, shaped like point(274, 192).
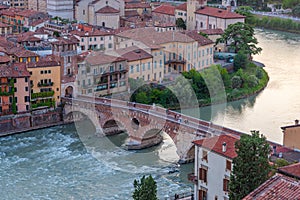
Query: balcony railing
point(45, 84)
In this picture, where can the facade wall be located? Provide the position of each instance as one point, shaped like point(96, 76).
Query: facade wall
point(51, 74)
point(22, 92)
point(22, 4)
point(141, 69)
point(38, 5)
point(180, 14)
point(163, 18)
point(99, 80)
point(61, 8)
point(108, 20)
point(5, 30)
point(86, 12)
point(291, 137)
point(105, 42)
point(216, 172)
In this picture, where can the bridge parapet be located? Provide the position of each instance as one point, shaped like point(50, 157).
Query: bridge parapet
point(140, 120)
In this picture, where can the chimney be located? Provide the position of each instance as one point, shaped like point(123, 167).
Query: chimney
point(224, 147)
point(296, 122)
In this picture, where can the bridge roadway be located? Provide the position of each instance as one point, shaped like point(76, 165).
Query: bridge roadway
point(181, 128)
point(159, 112)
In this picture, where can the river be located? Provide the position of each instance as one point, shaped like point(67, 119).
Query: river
point(71, 162)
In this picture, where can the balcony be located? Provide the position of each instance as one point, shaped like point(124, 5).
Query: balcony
point(175, 61)
point(45, 84)
point(192, 178)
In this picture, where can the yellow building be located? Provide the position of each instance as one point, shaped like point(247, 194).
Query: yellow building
point(45, 83)
point(139, 61)
point(291, 135)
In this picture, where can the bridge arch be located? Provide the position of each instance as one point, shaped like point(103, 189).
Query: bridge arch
point(113, 127)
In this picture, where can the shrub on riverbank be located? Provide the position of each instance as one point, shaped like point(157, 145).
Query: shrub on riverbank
point(211, 85)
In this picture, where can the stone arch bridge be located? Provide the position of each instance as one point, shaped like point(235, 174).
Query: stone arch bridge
point(143, 123)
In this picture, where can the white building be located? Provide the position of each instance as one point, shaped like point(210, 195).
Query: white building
point(213, 165)
point(61, 8)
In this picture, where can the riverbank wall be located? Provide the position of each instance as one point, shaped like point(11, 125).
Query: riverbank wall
point(12, 124)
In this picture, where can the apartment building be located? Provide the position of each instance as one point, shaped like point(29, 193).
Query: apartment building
point(101, 74)
point(14, 89)
point(213, 166)
point(172, 51)
point(94, 39)
point(45, 83)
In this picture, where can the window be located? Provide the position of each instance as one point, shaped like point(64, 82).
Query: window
point(16, 99)
point(204, 156)
point(110, 45)
point(16, 89)
point(95, 39)
point(155, 64)
point(203, 174)
point(144, 68)
point(202, 194)
point(26, 99)
point(131, 69)
point(26, 79)
point(149, 67)
point(137, 68)
point(49, 71)
point(225, 184)
point(83, 12)
point(228, 165)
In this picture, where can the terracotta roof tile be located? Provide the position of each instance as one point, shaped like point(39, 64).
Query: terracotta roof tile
point(182, 7)
point(133, 53)
point(202, 41)
point(15, 70)
point(137, 5)
point(107, 9)
point(215, 144)
point(4, 59)
point(291, 170)
point(277, 187)
point(90, 33)
point(47, 61)
point(217, 12)
point(25, 53)
point(99, 58)
point(217, 31)
point(165, 9)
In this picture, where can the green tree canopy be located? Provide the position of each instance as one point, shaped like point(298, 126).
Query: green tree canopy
point(251, 166)
point(145, 189)
point(296, 10)
point(240, 61)
point(240, 36)
point(180, 23)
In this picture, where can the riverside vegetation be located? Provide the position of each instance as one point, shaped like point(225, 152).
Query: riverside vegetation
point(208, 85)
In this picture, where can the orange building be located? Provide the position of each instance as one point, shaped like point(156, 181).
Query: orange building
point(14, 85)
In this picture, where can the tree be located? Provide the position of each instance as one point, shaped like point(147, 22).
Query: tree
point(296, 10)
point(251, 166)
point(240, 61)
point(240, 36)
point(145, 189)
point(180, 23)
point(246, 11)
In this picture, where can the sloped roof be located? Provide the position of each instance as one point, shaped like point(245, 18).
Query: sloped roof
point(219, 13)
point(107, 10)
point(15, 70)
point(137, 5)
point(133, 53)
point(277, 187)
point(99, 58)
point(199, 38)
point(215, 145)
point(291, 170)
point(216, 31)
point(165, 9)
point(182, 7)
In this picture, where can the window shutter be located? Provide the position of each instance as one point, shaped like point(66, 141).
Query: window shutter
point(200, 194)
point(200, 174)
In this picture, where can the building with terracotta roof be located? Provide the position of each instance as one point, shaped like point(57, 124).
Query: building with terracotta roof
point(200, 16)
point(139, 62)
point(102, 74)
point(292, 170)
point(100, 12)
point(5, 29)
point(180, 51)
point(291, 135)
point(15, 89)
point(213, 166)
point(21, 4)
point(180, 11)
point(164, 13)
point(277, 187)
point(94, 39)
point(64, 51)
point(45, 82)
